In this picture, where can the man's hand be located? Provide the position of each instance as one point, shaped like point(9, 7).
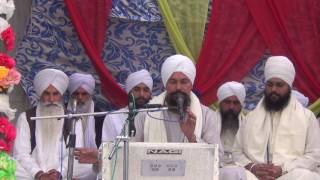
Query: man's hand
point(86, 155)
point(265, 171)
point(275, 171)
point(50, 175)
point(188, 126)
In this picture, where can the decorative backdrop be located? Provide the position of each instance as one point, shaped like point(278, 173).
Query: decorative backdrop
point(136, 38)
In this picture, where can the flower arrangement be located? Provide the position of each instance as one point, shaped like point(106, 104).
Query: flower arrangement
point(8, 74)
point(7, 34)
point(7, 136)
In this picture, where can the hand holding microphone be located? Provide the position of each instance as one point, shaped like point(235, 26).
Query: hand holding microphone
point(180, 104)
point(188, 126)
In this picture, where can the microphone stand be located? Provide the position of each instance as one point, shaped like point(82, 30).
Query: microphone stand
point(72, 142)
point(124, 136)
point(127, 131)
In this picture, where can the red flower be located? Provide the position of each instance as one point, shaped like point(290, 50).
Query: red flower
point(8, 37)
point(7, 61)
point(4, 146)
point(9, 134)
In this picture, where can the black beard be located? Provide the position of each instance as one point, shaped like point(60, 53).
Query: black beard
point(229, 120)
point(171, 101)
point(277, 105)
point(140, 102)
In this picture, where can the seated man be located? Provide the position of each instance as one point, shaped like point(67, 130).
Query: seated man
point(198, 125)
point(139, 84)
point(39, 148)
point(88, 128)
point(81, 87)
point(279, 138)
point(231, 96)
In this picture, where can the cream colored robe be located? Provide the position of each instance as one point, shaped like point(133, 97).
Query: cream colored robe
point(292, 136)
point(29, 164)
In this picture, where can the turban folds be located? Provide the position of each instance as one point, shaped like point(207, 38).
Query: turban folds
point(232, 89)
point(55, 77)
point(177, 63)
point(279, 67)
point(142, 76)
point(301, 98)
point(77, 80)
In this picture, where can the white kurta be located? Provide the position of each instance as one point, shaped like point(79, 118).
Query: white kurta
point(290, 135)
point(210, 133)
point(29, 165)
point(112, 125)
point(85, 132)
point(228, 137)
point(85, 137)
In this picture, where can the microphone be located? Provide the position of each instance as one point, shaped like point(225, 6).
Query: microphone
point(74, 105)
point(131, 115)
point(180, 103)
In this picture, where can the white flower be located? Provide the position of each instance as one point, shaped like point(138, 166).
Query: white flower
point(7, 8)
point(3, 25)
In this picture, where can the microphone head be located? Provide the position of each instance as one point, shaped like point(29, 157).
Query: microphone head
point(131, 101)
point(178, 102)
point(74, 105)
point(181, 105)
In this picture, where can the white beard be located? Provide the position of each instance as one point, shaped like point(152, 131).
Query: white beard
point(49, 132)
point(84, 107)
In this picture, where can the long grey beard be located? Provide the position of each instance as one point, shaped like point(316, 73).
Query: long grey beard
point(50, 129)
point(84, 107)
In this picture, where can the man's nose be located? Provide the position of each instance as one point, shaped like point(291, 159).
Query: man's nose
point(178, 86)
point(274, 88)
point(51, 98)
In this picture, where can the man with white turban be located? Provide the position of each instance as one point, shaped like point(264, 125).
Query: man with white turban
point(39, 148)
point(81, 88)
point(199, 123)
point(88, 128)
point(139, 84)
point(231, 96)
point(279, 139)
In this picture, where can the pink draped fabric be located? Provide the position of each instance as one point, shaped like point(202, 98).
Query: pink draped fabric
point(232, 46)
point(292, 28)
point(240, 31)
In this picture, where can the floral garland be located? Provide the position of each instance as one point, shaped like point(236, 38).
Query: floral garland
point(9, 76)
point(7, 34)
point(7, 137)
point(7, 167)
